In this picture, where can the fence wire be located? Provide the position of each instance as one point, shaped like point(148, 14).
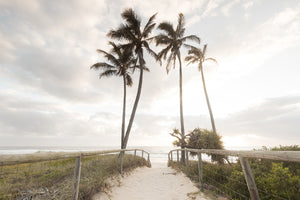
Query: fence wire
point(55, 179)
point(228, 179)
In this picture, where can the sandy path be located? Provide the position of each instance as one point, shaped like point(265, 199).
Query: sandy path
point(159, 182)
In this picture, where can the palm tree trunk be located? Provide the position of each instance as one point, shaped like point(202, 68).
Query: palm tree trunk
point(141, 61)
point(181, 106)
point(124, 111)
point(207, 101)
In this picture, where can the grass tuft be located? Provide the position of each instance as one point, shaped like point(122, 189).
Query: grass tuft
point(54, 179)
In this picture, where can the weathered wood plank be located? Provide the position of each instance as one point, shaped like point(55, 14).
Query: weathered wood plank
point(77, 173)
point(177, 157)
point(121, 162)
point(272, 155)
point(249, 179)
point(187, 162)
point(200, 171)
point(134, 155)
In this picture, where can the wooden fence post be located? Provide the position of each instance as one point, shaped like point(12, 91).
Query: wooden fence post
point(177, 157)
point(134, 155)
point(76, 178)
point(200, 169)
point(171, 155)
point(142, 153)
point(187, 162)
point(121, 162)
point(149, 160)
point(249, 179)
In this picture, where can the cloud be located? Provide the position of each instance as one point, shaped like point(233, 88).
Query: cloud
point(274, 118)
point(48, 90)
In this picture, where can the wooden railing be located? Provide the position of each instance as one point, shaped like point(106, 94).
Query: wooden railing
point(14, 159)
point(293, 156)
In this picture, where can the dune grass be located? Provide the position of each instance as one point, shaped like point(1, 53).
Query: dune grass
point(54, 179)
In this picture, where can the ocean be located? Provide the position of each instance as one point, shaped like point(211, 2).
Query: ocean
point(157, 153)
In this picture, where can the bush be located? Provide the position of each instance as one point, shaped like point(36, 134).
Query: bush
point(274, 180)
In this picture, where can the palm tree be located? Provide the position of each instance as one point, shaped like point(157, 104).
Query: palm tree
point(198, 55)
point(136, 41)
point(120, 61)
point(173, 39)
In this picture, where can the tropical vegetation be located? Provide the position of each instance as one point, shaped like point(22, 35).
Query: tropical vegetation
point(120, 62)
point(172, 40)
point(136, 41)
point(274, 179)
point(198, 55)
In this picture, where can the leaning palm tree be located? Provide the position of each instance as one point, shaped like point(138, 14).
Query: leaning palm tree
point(120, 61)
point(198, 55)
point(173, 39)
point(136, 41)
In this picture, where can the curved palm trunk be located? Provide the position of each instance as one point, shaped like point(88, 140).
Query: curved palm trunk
point(135, 102)
point(181, 106)
point(207, 101)
point(124, 111)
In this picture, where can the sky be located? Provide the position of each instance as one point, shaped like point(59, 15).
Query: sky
point(50, 97)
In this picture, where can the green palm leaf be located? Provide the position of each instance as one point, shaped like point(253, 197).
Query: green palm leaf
point(108, 73)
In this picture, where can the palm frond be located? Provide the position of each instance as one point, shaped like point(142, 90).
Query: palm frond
point(180, 26)
point(193, 61)
point(212, 59)
point(129, 81)
point(102, 65)
point(188, 46)
point(167, 27)
point(108, 73)
point(123, 32)
point(150, 51)
point(194, 38)
point(204, 50)
point(148, 30)
point(111, 58)
point(170, 62)
point(115, 48)
point(131, 18)
point(190, 58)
point(146, 69)
point(195, 52)
point(162, 39)
point(149, 26)
point(163, 53)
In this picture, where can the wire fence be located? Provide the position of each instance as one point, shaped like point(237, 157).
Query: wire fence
point(273, 179)
point(35, 177)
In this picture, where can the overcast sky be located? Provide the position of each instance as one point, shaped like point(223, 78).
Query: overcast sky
point(49, 96)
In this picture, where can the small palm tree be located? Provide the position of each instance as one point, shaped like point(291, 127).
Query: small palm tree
point(136, 39)
point(197, 55)
point(120, 61)
point(173, 39)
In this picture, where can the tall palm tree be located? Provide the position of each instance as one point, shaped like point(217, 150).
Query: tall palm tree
point(136, 41)
point(173, 39)
point(120, 61)
point(198, 55)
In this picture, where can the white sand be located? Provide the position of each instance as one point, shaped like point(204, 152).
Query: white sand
point(157, 183)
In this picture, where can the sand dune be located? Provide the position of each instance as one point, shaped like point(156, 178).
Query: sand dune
point(156, 183)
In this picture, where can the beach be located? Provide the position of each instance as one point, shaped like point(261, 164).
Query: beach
point(158, 182)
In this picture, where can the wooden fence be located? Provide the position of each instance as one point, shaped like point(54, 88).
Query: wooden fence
point(293, 156)
point(14, 159)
